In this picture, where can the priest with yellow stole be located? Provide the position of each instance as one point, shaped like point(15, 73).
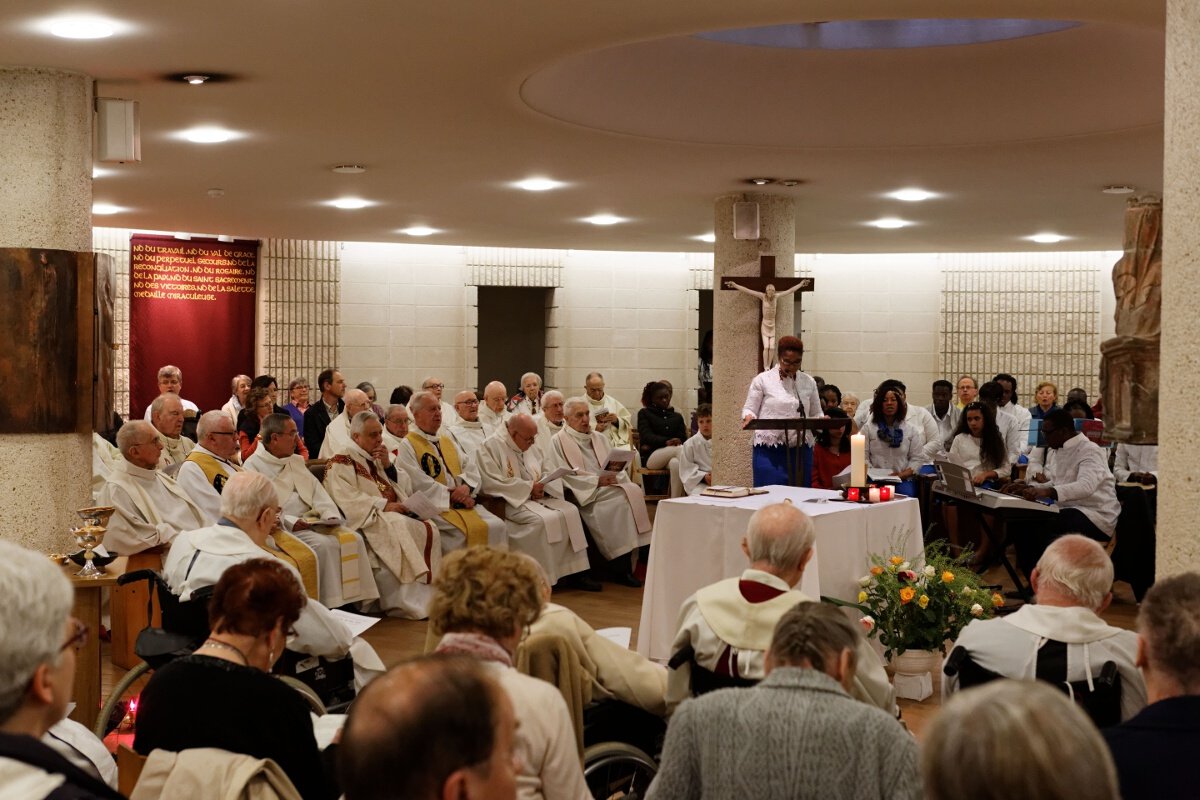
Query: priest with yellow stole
point(447, 479)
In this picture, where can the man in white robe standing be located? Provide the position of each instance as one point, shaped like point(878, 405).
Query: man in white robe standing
point(166, 415)
point(436, 386)
point(448, 479)
point(309, 514)
point(151, 509)
point(493, 413)
point(207, 468)
point(546, 528)
point(467, 431)
point(695, 457)
point(612, 507)
point(405, 551)
point(337, 435)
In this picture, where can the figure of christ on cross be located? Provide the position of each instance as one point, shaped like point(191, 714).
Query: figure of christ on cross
point(771, 289)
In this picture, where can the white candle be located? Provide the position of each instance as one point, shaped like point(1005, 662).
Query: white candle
point(873, 494)
point(858, 460)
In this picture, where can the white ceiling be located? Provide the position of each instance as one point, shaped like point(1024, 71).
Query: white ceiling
point(447, 102)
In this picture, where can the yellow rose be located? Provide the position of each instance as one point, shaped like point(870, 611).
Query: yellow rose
point(907, 594)
point(947, 577)
point(876, 570)
point(897, 560)
point(923, 600)
point(998, 600)
point(862, 597)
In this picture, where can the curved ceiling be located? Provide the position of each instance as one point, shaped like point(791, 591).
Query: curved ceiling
point(638, 116)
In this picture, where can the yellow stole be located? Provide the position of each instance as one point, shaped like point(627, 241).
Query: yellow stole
point(465, 519)
point(214, 470)
point(298, 554)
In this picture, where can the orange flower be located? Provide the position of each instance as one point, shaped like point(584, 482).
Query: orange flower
point(897, 560)
point(947, 577)
point(876, 570)
point(998, 600)
point(907, 594)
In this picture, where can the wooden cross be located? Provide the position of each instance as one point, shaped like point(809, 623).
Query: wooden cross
point(766, 275)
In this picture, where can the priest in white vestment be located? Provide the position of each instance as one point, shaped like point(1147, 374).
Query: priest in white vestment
point(549, 422)
point(448, 479)
point(166, 415)
point(612, 507)
point(205, 471)
point(492, 412)
point(151, 509)
point(395, 428)
point(309, 514)
point(436, 386)
point(467, 431)
point(726, 627)
point(337, 435)
point(405, 551)
point(695, 457)
point(546, 528)
point(104, 456)
point(247, 530)
point(613, 419)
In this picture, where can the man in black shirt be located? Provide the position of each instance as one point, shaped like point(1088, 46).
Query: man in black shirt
point(318, 415)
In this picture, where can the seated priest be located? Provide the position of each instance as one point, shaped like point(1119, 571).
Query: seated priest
point(467, 431)
point(249, 528)
point(207, 468)
point(395, 429)
point(104, 455)
point(405, 551)
point(695, 457)
point(446, 478)
point(1073, 584)
point(436, 386)
point(609, 415)
point(151, 508)
point(166, 415)
point(545, 528)
point(337, 435)
point(726, 628)
point(343, 560)
point(612, 507)
point(493, 413)
point(549, 422)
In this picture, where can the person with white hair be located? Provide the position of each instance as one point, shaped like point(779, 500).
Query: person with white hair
point(207, 468)
point(612, 507)
point(726, 628)
point(467, 431)
point(395, 428)
point(249, 528)
point(151, 508)
point(550, 421)
point(170, 381)
point(609, 415)
point(436, 386)
point(1073, 584)
point(337, 435)
point(39, 640)
point(239, 388)
point(529, 399)
point(166, 415)
point(493, 412)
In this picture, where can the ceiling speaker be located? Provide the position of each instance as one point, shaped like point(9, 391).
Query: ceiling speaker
point(745, 220)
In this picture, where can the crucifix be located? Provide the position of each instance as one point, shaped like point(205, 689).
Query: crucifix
point(768, 288)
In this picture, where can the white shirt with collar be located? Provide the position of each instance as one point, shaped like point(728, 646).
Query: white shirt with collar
point(773, 396)
point(1079, 475)
point(1133, 458)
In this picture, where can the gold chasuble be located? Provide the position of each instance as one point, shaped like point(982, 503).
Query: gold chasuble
point(214, 470)
point(300, 556)
point(431, 458)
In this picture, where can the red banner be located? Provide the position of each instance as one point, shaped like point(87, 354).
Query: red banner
point(191, 304)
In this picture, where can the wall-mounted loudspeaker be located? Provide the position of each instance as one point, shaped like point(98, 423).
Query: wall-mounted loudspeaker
point(118, 132)
point(745, 220)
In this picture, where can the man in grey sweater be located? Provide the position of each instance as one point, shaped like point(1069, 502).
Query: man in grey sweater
point(797, 734)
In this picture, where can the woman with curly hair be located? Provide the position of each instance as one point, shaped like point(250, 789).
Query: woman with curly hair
point(893, 443)
point(979, 445)
point(484, 601)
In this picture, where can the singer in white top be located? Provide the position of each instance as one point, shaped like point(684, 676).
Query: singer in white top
point(782, 392)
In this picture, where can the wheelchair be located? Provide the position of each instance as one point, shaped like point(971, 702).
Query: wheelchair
point(618, 739)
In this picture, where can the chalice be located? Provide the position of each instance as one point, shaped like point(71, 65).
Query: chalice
point(89, 535)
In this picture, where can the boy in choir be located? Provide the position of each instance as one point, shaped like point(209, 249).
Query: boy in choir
point(944, 413)
point(695, 457)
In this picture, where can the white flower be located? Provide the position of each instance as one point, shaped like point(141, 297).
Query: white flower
point(967, 590)
point(865, 580)
point(929, 571)
point(868, 623)
point(905, 565)
point(976, 610)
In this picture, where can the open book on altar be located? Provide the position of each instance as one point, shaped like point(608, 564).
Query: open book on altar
point(731, 491)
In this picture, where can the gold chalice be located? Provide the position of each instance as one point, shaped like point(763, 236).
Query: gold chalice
point(90, 535)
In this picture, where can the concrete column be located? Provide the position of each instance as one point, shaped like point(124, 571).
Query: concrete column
point(736, 340)
point(46, 194)
point(1179, 484)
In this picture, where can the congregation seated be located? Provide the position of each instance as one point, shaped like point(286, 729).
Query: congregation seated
point(831, 453)
point(725, 629)
point(395, 429)
point(609, 415)
point(1136, 463)
point(170, 381)
point(1010, 401)
point(297, 403)
point(435, 386)
point(210, 464)
point(439, 726)
point(166, 415)
point(1062, 634)
point(661, 429)
point(966, 390)
point(550, 421)
point(1046, 397)
point(917, 417)
point(239, 388)
point(467, 431)
point(529, 398)
point(990, 395)
point(484, 602)
point(39, 640)
point(850, 404)
point(337, 433)
point(945, 414)
point(894, 444)
point(799, 733)
point(831, 397)
point(493, 412)
point(979, 445)
point(695, 457)
point(1155, 751)
point(401, 394)
point(223, 695)
point(1009, 739)
point(332, 386)
point(260, 403)
point(368, 388)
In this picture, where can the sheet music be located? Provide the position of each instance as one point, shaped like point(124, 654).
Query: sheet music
point(421, 505)
point(556, 474)
point(357, 623)
point(620, 636)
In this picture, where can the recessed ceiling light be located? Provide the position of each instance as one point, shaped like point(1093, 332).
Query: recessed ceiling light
point(196, 80)
point(349, 169)
point(790, 182)
point(104, 209)
point(350, 203)
point(539, 184)
point(1047, 238)
point(209, 135)
point(706, 237)
point(604, 219)
point(215, 192)
point(890, 222)
point(419, 230)
point(760, 181)
point(81, 28)
point(911, 195)
point(1118, 188)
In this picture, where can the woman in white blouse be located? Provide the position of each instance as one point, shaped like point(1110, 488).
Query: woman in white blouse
point(893, 443)
point(782, 392)
point(979, 446)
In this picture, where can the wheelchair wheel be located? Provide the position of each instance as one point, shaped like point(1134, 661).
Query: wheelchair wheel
point(617, 770)
point(118, 691)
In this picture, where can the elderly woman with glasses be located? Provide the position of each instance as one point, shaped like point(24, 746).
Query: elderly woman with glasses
point(782, 392)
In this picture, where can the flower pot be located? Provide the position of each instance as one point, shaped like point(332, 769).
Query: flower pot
point(912, 673)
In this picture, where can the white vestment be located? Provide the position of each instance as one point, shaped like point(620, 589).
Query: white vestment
point(199, 558)
point(548, 530)
point(695, 461)
point(344, 568)
point(405, 552)
point(618, 432)
point(175, 451)
point(730, 635)
point(151, 509)
point(492, 421)
point(437, 491)
point(449, 415)
point(1009, 646)
point(192, 480)
point(609, 512)
point(337, 436)
point(188, 405)
point(104, 455)
point(546, 432)
point(392, 443)
point(468, 436)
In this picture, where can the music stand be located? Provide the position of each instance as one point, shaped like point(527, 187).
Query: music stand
point(799, 425)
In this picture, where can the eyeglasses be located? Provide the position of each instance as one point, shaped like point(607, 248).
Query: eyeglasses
point(468, 403)
point(79, 638)
point(435, 386)
point(222, 433)
point(790, 362)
